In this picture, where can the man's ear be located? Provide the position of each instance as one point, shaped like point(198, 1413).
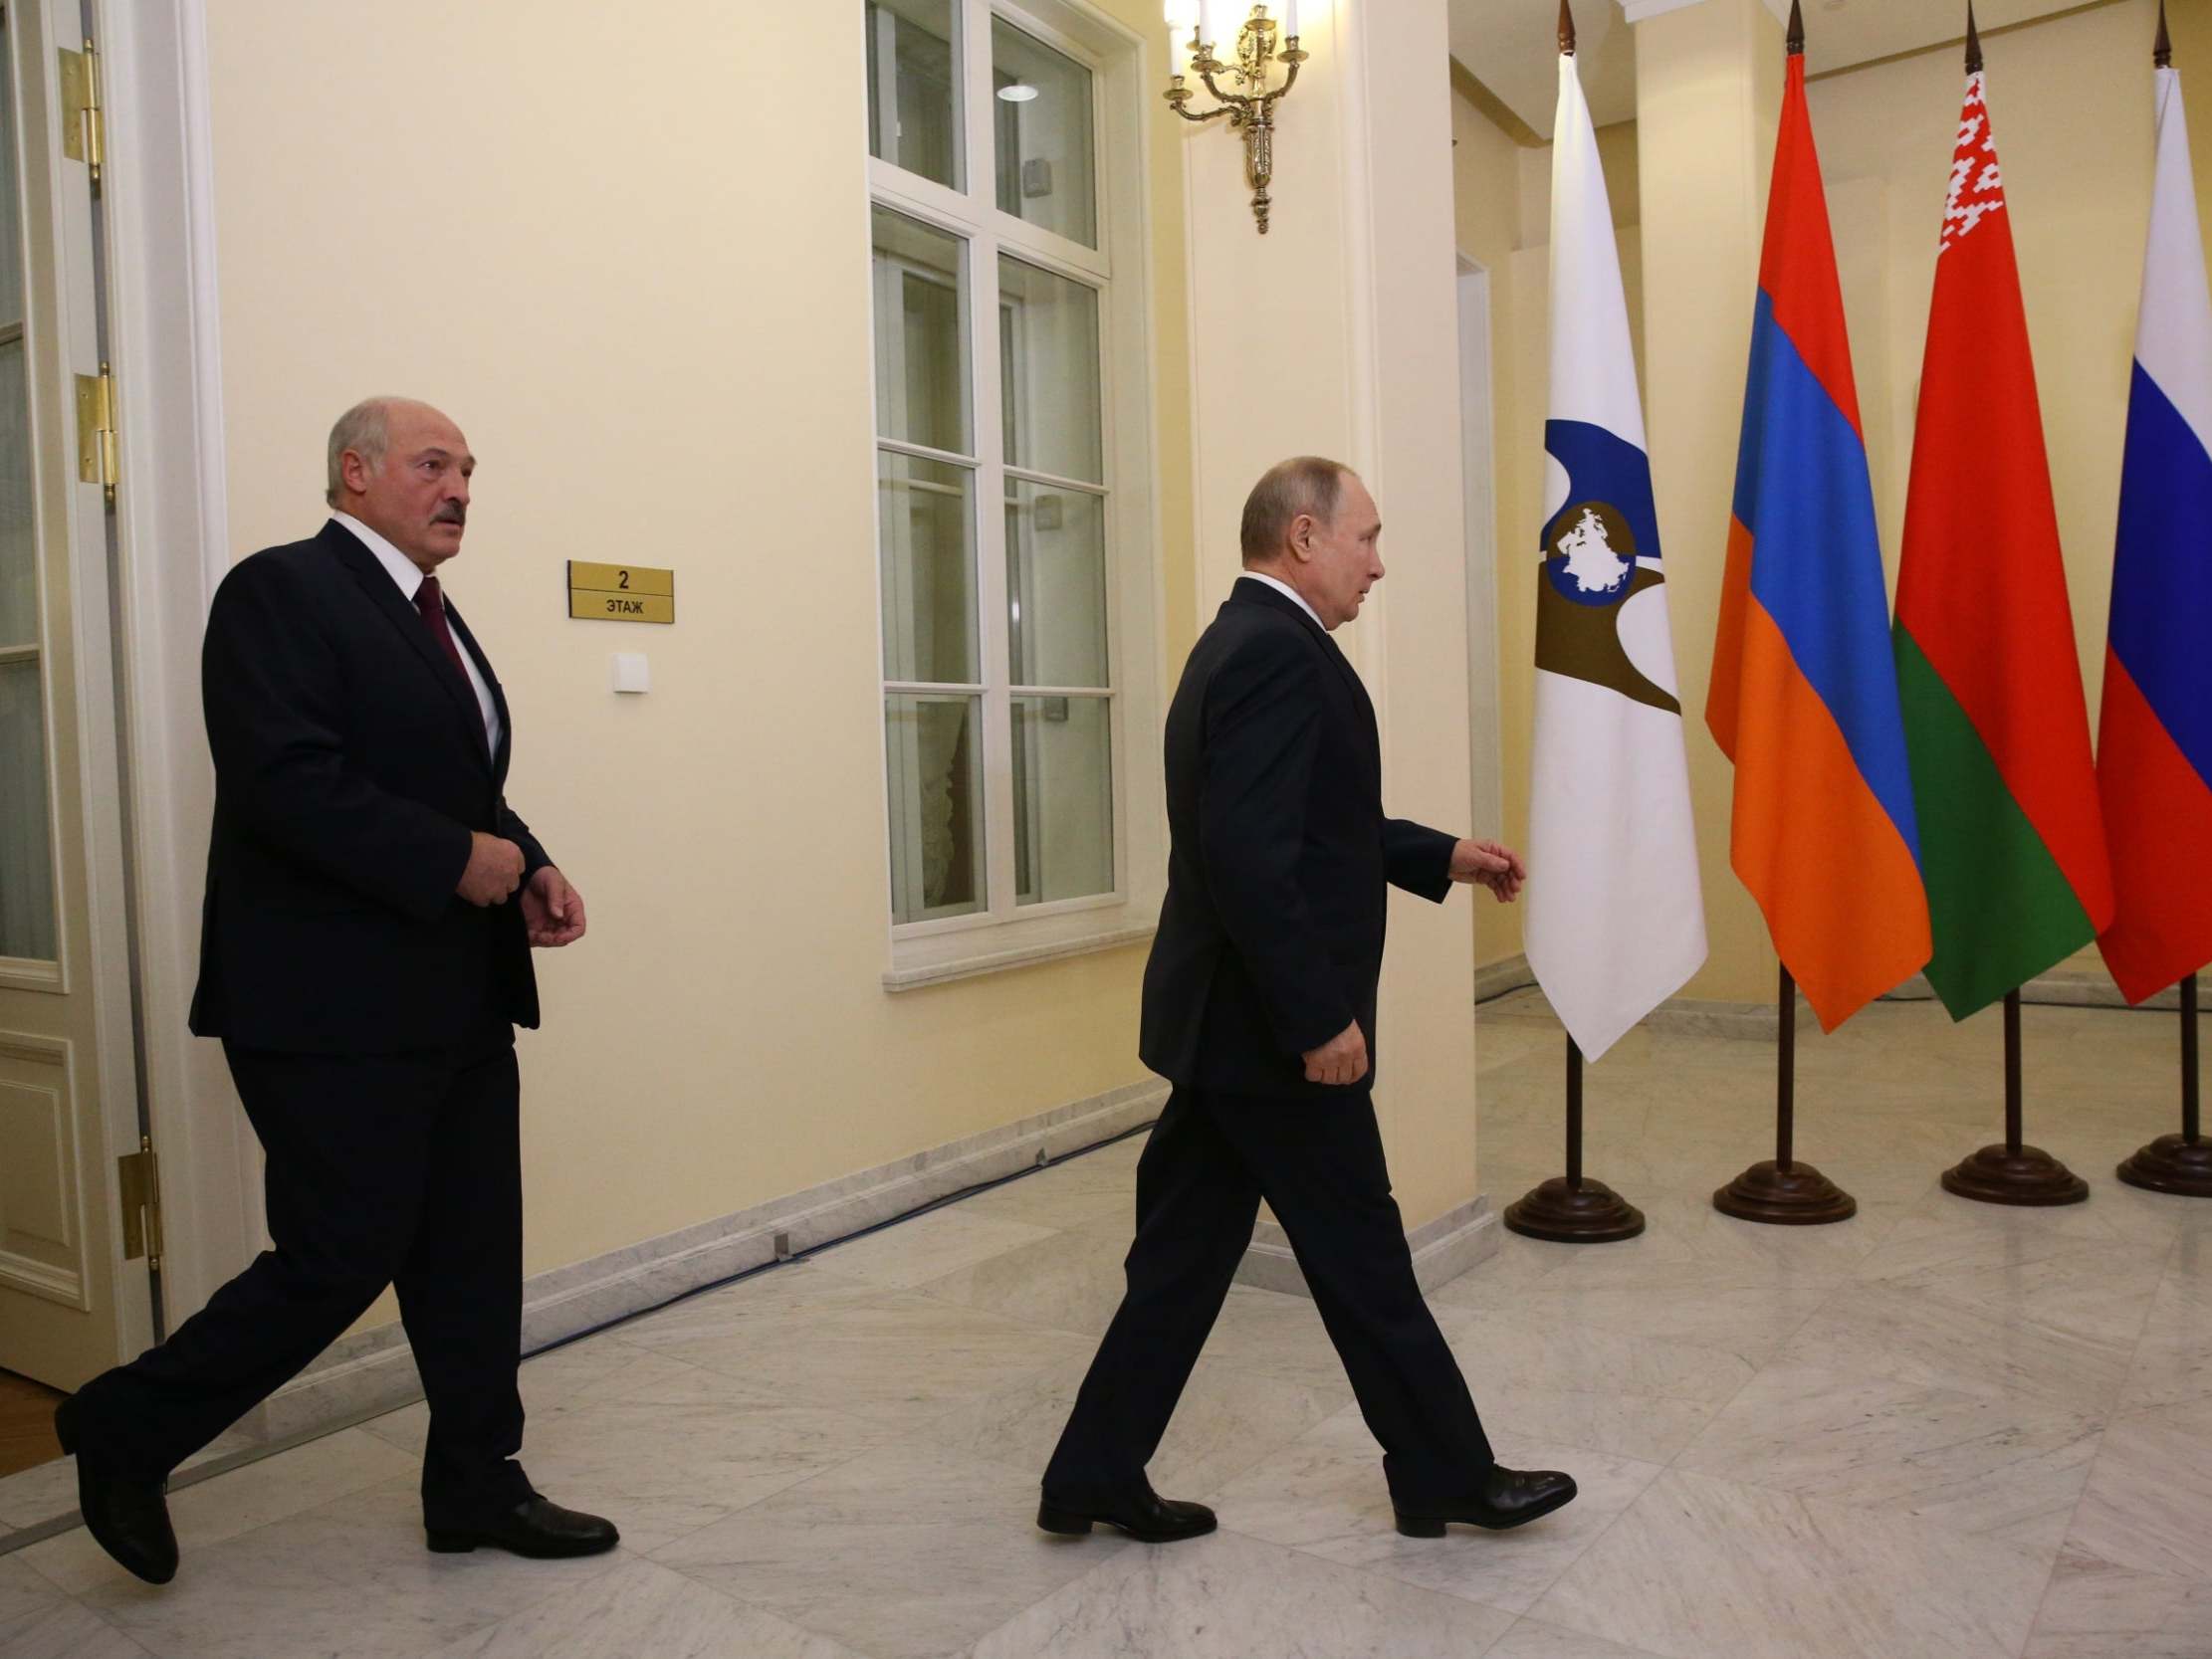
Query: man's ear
point(1302, 535)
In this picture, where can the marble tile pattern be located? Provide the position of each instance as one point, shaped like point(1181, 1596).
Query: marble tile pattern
point(1938, 1431)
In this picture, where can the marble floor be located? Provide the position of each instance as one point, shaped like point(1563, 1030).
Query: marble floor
point(1939, 1431)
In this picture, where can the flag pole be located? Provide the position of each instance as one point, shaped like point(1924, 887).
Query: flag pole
point(2179, 1164)
point(1573, 1209)
point(1785, 1192)
point(2014, 1173)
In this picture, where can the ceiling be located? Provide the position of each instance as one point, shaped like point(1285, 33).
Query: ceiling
point(1510, 46)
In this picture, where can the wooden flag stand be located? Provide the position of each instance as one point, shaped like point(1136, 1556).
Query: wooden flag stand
point(2014, 1174)
point(2178, 1162)
point(1782, 1191)
point(1571, 1210)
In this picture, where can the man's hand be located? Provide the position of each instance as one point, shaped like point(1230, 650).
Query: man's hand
point(1491, 865)
point(495, 871)
point(1340, 1060)
point(552, 909)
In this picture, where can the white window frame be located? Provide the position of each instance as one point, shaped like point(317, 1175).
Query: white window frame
point(1005, 934)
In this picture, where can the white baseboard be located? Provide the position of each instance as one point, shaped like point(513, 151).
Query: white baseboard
point(376, 1370)
point(1443, 1249)
point(1679, 1016)
point(1496, 979)
point(2080, 983)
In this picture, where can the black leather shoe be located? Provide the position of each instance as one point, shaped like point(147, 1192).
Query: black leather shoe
point(1143, 1514)
point(1507, 1498)
point(535, 1527)
point(128, 1518)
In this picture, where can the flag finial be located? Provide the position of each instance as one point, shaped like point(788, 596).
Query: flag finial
point(1973, 41)
point(2161, 54)
point(1796, 29)
point(1566, 30)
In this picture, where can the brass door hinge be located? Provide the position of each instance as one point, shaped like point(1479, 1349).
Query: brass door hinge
point(138, 1176)
point(84, 123)
point(97, 459)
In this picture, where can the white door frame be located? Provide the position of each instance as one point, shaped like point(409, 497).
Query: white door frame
point(172, 522)
point(1478, 474)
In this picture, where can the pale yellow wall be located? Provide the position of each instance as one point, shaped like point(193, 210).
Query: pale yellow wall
point(629, 254)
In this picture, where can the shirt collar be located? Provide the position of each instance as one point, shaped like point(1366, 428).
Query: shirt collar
point(1276, 583)
point(403, 569)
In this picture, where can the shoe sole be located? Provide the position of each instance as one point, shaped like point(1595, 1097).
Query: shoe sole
point(463, 1544)
point(1418, 1525)
point(1070, 1524)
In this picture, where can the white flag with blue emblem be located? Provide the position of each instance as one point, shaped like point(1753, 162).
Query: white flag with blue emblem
point(1615, 918)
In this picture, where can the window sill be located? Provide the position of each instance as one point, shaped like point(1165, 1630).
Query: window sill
point(939, 958)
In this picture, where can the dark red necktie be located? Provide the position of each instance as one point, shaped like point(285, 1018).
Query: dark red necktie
point(432, 602)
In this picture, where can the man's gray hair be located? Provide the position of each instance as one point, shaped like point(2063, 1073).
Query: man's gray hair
point(1305, 483)
point(365, 429)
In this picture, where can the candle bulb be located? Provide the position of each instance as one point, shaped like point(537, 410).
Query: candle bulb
point(1290, 19)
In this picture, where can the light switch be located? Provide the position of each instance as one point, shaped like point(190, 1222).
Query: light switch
point(632, 673)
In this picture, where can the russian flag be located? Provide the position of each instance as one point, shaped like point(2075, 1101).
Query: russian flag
point(1804, 693)
point(2154, 743)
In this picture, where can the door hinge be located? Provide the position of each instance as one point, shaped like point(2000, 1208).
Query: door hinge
point(83, 122)
point(97, 459)
point(140, 1177)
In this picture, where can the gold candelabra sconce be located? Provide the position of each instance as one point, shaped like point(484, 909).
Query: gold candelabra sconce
point(1251, 106)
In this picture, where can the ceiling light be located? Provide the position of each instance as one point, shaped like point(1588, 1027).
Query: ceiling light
point(1019, 92)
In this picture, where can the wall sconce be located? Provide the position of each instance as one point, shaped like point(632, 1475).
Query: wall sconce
point(1251, 109)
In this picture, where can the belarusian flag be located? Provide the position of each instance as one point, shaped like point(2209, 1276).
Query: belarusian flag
point(1615, 918)
point(2012, 841)
point(2154, 747)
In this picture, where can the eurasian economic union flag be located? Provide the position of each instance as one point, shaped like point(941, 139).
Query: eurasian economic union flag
point(1804, 695)
point(1616, 921)
point(2154, 745)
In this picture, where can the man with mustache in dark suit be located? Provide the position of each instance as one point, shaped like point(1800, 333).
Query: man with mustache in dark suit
point(365, 958)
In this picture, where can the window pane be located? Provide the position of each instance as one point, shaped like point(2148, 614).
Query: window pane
point(1048, 372)
point(1055, 585)
point(26, 857)
point(1042, 121)
point(1063, 797)
point(927, 517)
point(913, 92)
point(936, 806)
point(921, 352)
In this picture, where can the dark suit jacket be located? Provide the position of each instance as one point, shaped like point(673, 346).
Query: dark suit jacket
point(1270, 941)
point(350, 766)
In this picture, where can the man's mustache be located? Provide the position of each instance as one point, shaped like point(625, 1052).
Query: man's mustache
point(453, 513)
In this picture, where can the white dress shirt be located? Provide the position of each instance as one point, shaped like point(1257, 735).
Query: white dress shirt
point(1278, 583)
point(408, 576)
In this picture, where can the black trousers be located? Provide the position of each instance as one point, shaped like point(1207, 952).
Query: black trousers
point(382, 1169)
point(1319, 1163)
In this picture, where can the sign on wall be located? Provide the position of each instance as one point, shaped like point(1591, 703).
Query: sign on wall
point(620, 593)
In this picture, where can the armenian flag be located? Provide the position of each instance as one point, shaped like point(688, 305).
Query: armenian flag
point(1804, 692)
